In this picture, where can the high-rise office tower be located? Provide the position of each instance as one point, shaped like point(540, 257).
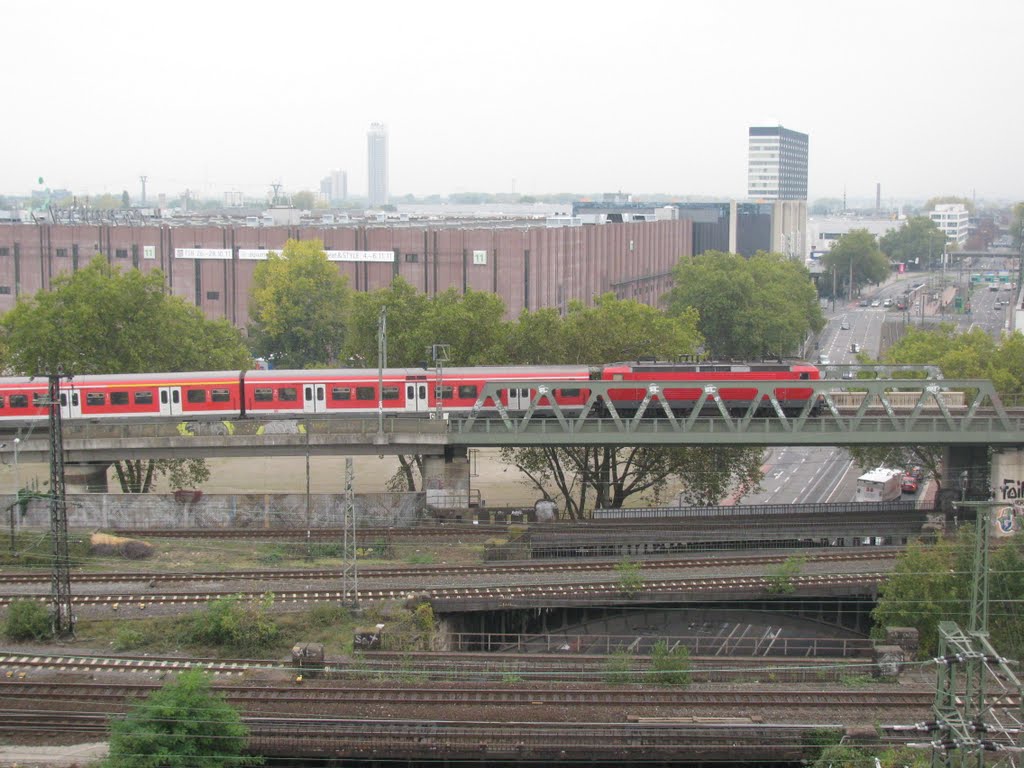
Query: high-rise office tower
point(377, 164)
point(777, 164)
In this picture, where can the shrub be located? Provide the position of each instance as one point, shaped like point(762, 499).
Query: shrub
point(424, 617)
point(631, 580)
point(28, 620)
point(230, 622)
point(780, 578)
point(327, 615)
point(618, 669)
point(128, 638)
point(670, 667)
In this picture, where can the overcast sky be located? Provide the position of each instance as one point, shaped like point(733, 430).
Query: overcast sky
point(922, 96)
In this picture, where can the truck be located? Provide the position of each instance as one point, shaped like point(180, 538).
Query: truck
point(880, 484)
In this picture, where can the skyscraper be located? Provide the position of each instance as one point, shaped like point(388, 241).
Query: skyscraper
point(777, 164)
point(377, 164)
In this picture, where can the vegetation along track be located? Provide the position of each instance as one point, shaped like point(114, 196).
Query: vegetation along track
point(423, 572)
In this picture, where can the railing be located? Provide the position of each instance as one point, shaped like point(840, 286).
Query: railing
point(757, 510)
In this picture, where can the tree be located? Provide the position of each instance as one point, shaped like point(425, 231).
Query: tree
point(1017, 228)
point(102, 320)
point(406, 315)
point(857, 249)
point(748, 308)
point(182, 725)
point(299, 307)
point(126, 201)
point(972, 355)
point(917, 242)
point(305, 200)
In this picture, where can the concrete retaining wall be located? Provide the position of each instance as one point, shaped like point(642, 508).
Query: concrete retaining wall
point(256, 510)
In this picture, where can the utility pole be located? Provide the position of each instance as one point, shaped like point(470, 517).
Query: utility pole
point(382, 363)
point(349, 550)
point(440, 354)
point(60, 582)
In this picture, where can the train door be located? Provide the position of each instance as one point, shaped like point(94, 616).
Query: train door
point(416, 396)
point(314, 398)
point(518, 398)
point(170, 401)
point(70, 404)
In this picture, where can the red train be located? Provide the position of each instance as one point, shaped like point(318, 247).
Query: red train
point(238, 394)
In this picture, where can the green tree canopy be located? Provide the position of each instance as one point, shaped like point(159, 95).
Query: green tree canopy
point(972, 355)
point(748, 308)
point(299, 307)
point(859, 249)
point(182, 725)
point(304, 200)
point(917, 242)
point(102, 320)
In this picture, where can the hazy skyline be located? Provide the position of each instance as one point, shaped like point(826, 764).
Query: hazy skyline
point(653, 97)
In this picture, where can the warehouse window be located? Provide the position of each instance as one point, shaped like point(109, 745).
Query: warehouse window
point(121, 253)
point(5, 289)
point(62, 253)
point(212, 295)
point(412, 257)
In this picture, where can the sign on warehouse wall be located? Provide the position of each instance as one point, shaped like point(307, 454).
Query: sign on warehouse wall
point(480, 257)
point(260, 254)
point(202, 253)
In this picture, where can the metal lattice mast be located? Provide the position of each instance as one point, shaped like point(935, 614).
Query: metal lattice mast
point(60, 584)
point(349, 554)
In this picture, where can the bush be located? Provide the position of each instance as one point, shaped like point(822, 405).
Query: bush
point(618, 669)
point(28, 620)
point(670, 667)
point(128, 638)
point(327, 615)
point(424, 617)
point(631, 580)
point(780, 578)
point(230, 622)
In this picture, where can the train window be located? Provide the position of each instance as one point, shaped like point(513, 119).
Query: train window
point(74, 399)
point(2, 399)
point(163, 396)
point(63, 400)
point(19, 401)
point(195, 396)
point(366, 393)
point(569, 393)
point(263, 394)
point(144, 397)
point(524, 393)
point(119, 398)
point(804, 376)
point(93, 398)
point(307, 392)
point(288, 394)
point(220, 395)
point(341, 393)
point(319, 394)
point(390, 393)
point(445, 393)
point(467, 391)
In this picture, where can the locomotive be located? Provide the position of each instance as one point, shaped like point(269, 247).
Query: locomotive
point(226, 395)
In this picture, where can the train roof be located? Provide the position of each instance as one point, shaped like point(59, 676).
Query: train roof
point(525, 372)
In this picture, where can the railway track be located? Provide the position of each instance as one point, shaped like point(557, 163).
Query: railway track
point(323, 697)
point(364, 535)
point(423, 572)
point(504, 596)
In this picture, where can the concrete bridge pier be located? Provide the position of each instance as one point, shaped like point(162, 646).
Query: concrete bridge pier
point(86, 477)
point(1007, 478)
point(446, 479)
point(966, 473)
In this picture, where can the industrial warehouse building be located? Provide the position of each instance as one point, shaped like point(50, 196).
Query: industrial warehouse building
point(528, 264)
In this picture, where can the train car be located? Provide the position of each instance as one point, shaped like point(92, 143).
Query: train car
point(196, 394)
point(357, 391)
point(792, 399)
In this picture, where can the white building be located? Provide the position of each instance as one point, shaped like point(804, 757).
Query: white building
point(776, 163)
point(825, 230)
point(952, 218)
point(377, 164)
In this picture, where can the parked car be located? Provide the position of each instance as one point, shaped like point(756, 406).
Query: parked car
point(916, 472)
point(887, 303)
point(876, 303)
point(908, 484)
point(855, 347)
point(864, 302)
